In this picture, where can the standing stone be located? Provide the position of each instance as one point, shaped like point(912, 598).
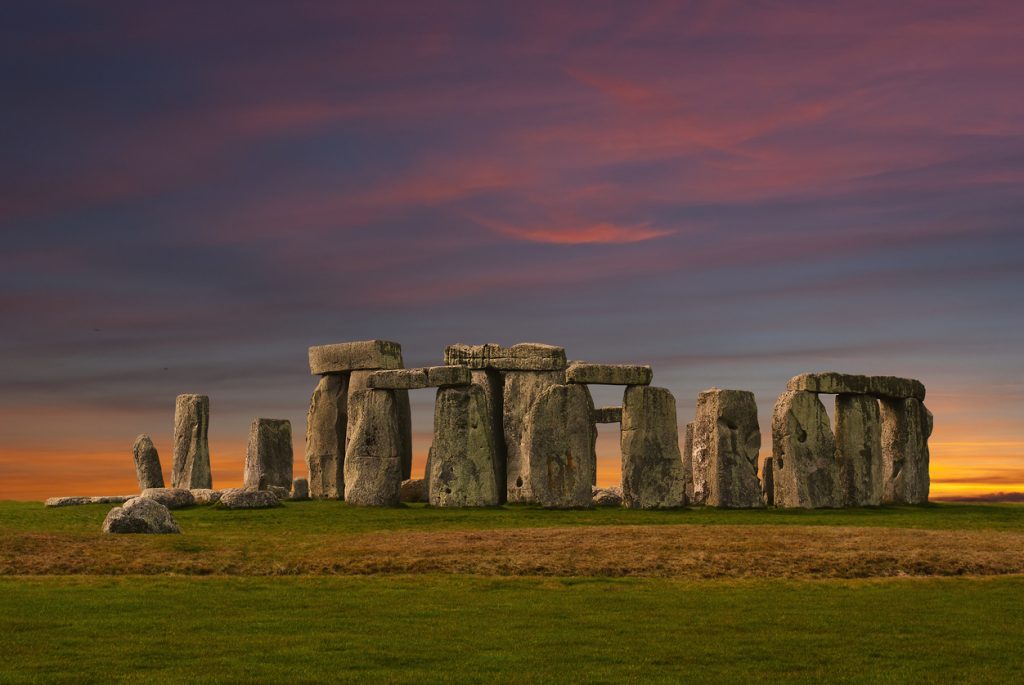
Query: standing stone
point(358, 380)
point(804, 467)
point(652, 468)
point(492, 385)
point(268, 460)
point(768, 482)
point(325, 437)
point(191, 467)
point(905, 429)
point(460, 465)
point(147, 463)
point(688, 465)
point(300, 489)
point(521, 389)
point(726, 442)
point(373, 455)
point(859, 449)
point(558, 443)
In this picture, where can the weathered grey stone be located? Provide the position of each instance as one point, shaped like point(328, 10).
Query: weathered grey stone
point(147, 463)
point(726, 442)
point(833, 383)
point(140, 515)
point(268, 459)
point(358, 381)
point(688, 465)
point(373, 459)
point(559, 444)
point(325, 437)
point(905, 456)
point(768, 482)
point(444, 376)
point(460, 465)
point(300, 489)
point(608, 415)
point(205, 496)
point(111, 499)
point(352, 356)
point(413, 490)
point(606, 497)
point(172, 498)
point(652, 468)
point(519, 357)
point(608, 374)
point(492, 384)
point(859, 449)
point(191, 467)
point(804, 468)
point(520, 390)
point(397, 379)
point(245, 498)
point(67, 501)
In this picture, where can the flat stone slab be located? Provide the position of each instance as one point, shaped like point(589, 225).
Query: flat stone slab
point(414, 379)
point(74, 501)
point(833, 383)
point(172, 498)
point(519, 357)
point(448, 376)
point(242, 498)
point(608, 415)
point(353, 356)
point(608, 374)
point(206, 495)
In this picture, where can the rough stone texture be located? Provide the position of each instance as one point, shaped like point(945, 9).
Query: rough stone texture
point(373, 456)
point(768, 482)
point(325, 437)
point(172, 498)
point(606, 497)
point(140, 515)
point(444, 376)
point(688, 465)
point(413, 490)
point(608, 374)
point(608, 415)
point(111, 499)
point(804, 468)
point(519, 357)
point(397, 379)
point(652, 468)
point(358, 381)
point(859, 449)
point(460, 466)
point(205, 496)
point(519, 392)
point(268, 459)
point(147, 463)
point(244, 498)
point(559, 444)
point(300, 489)
point(905, 428)
point(833, 383)
point(67, 501)
point(726, 442)
point(191, 467)
point(493, 384)
point(352, 356)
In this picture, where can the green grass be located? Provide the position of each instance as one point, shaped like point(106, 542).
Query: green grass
point(464, 629)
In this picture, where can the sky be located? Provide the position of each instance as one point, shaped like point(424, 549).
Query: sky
point(191, 194)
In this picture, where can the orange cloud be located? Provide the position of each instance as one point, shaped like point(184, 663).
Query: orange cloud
point(579, 234)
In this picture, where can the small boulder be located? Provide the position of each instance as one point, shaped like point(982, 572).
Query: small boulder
point(172, 498)
point(240, 498)
point(205, 495)
point(300, 489)
point(414, 490)
point(607, 497)
point(140, 515)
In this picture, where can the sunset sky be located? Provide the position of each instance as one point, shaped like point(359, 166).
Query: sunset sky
point(191, 194)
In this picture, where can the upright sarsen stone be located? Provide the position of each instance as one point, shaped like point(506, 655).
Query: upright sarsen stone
point(688, 465)
point(652, 468)
point(325, 437)
point(191, 468)
point(726, 442)
point(559, 444)
point(373, 459)
point(359, 380)
point(804, 468)
point(147, 463)
point(520, 390)
point(461, 462)
point(906, 425)
point(859, 449)
point(268, 460)
point(493, 387)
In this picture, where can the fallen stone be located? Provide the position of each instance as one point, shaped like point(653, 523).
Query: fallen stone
point(726, 443)
point(111, 499)
point(244, 498)
point(413, 490)
point(608, 374)
point(688, 465)
point(191, 468)
point(172, 498)
point(205, 496)
point(859, 449)
point(268, 459)
point(905, 456)
point(300, 489)
point(444, 376)
point(67, 501)
point(519, 391)
point(358, 381)
point(147, 463)
point(326, 423)
point(519, 357)
point(559, 444)
point(652, 468)
point(768, 482)
point(804, 468)
point(140, 515)
point(606, 497)
point(608, 415)
point(397, 379)
point(353, 356)
point(492, 383)
point(833, 383)
point(460, 465)
point(373, 459)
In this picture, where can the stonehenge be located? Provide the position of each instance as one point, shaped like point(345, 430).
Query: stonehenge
point(461, 462)
point(652, 468)
point(724, 441)
point(268, 459)
point(373, 452)
point(191, 449)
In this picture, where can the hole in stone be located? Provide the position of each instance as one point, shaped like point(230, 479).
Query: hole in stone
point(801, 435)
point(519, 482)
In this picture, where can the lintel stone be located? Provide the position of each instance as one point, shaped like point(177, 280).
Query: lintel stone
point(833, 383)
point(519, 357)
point(609, 374)
point(353, 356)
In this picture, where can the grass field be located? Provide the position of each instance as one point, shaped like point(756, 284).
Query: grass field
point(317, 591)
